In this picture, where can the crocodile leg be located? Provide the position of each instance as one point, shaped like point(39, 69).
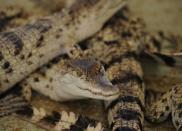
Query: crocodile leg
point(54, 120)
point(10, 104)
point(58, 121)
point(14, 104)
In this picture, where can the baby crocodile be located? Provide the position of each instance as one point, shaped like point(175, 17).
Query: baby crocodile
point(24, 49)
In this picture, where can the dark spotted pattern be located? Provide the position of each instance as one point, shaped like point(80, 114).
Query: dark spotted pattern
point(6, 65)
point(15, 40)
point(168, 103)
point(126, 99)
point(128, 114)
point(83, 122)
point(127, 78)
point(53, 118)
point(42, 25)
point(119, 58)
point(39, 42)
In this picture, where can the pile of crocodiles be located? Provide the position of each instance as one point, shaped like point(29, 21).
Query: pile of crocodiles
point(104, 66)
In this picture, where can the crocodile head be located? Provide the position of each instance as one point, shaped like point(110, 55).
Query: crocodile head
point(86, 78)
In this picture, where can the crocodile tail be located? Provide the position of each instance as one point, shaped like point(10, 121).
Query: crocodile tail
point(127, 111)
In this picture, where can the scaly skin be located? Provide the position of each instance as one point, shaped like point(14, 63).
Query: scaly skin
point(168, 103)
point(58, 121)
point(8, 14)
point(49, 120)
point(26, 48)
point(71, 79)
point(121, 53)
point(164, 48)
point(118, 55)
point(125, 72)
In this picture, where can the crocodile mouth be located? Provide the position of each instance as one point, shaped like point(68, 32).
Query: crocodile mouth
point(78, 87)
point(109, 92)
point(90, 80)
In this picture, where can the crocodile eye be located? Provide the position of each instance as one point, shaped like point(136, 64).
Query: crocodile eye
point(95, 69)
